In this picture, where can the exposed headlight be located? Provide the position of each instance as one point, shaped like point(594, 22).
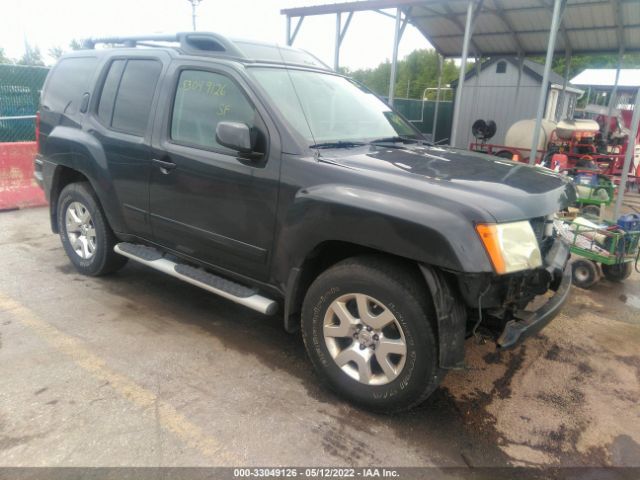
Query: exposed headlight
point(511, 246)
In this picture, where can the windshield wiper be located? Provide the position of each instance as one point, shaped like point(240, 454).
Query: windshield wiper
point(396, 139)
point(338, 144)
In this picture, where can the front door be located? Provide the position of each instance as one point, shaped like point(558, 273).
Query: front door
point(206, 202)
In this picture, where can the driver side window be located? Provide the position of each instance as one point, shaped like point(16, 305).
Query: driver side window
point(202, 100)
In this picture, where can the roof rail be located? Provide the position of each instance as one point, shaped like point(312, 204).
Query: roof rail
point(190, 42)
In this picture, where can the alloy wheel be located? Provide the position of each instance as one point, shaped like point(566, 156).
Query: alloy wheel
point(365, 339)
point(81, 231)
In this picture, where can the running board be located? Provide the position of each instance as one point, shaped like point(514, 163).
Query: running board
point(220, 286)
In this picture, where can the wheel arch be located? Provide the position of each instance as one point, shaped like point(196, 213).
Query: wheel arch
point(75, 155)
point(320, 258)
point(449, 308)
point(62, 176)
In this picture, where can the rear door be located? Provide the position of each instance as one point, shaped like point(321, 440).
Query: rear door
point(121, 124)
point(211, 204)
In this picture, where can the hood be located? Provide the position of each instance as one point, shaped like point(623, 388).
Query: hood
point(506, 190)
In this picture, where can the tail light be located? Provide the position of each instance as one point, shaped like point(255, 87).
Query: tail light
point(38, 131)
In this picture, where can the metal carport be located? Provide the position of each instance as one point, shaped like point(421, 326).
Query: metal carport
point(502, 27)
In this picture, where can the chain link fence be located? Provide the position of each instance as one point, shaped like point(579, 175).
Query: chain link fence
point(20, 88)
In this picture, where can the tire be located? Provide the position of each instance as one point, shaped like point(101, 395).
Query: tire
point(618, 272)
point(584, 272)
point(506, 154)
point(391, 291)
point(85, 234)
point(592, 210)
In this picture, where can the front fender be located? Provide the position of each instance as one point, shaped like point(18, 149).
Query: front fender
point(408, 228)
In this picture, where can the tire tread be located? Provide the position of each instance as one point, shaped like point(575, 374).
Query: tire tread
point(407, 277)
point(110, 261)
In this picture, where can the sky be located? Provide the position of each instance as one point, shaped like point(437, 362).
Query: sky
point(49, 23)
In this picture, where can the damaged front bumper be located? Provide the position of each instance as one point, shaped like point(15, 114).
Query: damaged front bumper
point(526, 323)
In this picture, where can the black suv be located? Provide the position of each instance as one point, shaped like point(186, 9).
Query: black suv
point(257, 173)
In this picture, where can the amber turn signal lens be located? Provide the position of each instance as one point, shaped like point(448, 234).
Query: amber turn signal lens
point(489, 236)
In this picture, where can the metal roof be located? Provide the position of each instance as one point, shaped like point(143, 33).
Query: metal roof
point(606, 77)
point(534, 69)
point(510, 27)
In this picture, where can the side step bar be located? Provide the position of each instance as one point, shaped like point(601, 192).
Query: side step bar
point(220, 286)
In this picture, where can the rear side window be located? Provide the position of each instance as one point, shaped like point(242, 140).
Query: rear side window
point(68, 81)
point(125, 101)
point(109, 90)
point(204, 99)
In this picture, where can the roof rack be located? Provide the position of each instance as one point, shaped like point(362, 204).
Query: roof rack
point(189, 42)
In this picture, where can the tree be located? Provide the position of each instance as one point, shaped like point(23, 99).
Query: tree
point(377, 79)
point(3, 57)
point(417, 71)
point(55, 52)
point(582, 62)
point(75, 44)
point(32, 56)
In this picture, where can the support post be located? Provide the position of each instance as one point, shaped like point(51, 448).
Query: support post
point(463, 67)
point(291, 36)
point(520, 69)
point(563, 93)
point(394, 59)
point(558, 7)
point(631, 147)
point(614, 94)
point(435, 110)
point(336, 53)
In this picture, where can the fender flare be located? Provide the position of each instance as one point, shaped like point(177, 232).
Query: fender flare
point(87, 157)
point(451, 317)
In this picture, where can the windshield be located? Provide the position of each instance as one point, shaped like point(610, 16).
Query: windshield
point(331, 109)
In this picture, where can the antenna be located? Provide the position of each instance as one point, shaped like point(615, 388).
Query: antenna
point(194, 5)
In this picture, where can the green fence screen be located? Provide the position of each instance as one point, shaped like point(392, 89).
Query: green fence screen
point(20, 88)
point(421, 115)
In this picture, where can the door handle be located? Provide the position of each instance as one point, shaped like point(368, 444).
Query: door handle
point(165, 167)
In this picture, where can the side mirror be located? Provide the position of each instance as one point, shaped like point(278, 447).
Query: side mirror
point(235, 135)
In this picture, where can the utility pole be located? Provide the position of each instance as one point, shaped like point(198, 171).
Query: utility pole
point(194, 5)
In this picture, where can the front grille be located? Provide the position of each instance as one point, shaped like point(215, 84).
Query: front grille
point(537, 224)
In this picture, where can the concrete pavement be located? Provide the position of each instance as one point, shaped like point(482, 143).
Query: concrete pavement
point(140, 369)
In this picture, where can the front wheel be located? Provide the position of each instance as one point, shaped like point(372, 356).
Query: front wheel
point(617, 272)
point(367, 324)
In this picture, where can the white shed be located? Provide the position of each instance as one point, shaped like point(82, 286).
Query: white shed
point(504, 93)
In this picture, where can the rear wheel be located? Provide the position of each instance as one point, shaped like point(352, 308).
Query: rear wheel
point(85, 234)
point(617, 272)
point(367, 327)
point(585, 273)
